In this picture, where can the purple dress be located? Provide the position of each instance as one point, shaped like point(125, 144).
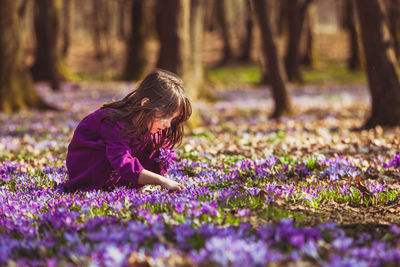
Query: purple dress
point(99, 158)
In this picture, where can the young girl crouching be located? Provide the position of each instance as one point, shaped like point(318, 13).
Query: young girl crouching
point(120, 143)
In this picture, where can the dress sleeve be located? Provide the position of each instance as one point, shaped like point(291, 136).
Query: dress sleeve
point(119, 154)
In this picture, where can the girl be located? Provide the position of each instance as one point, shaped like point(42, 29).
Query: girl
point(120, 143)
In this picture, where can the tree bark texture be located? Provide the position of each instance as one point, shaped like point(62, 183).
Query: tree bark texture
point(277, 78)
point(296, 12)
point(48, 65)
point(137, 61)
point(16, 85)
point(381, 64)
point(173, 30)
point(180, 28)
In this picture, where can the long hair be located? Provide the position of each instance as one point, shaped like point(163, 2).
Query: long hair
point(165, 93)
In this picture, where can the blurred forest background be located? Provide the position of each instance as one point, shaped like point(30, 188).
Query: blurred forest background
point(209, 43)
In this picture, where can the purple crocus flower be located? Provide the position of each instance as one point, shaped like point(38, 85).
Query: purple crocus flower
point(253, 191)
point(395, 161)
point(339, 260)
point(243, 212)
point(180, 207)
point(375, 188)
point(342, 243)
point(297, 240)
point(166, 157)
point(395, 229)
point(271, 161)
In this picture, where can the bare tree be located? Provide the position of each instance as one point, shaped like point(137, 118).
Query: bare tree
point(137, 61)
point(122, 6)
point(349, 24)
point(296, 13)
point(222, 16)
point(174, 34)
point(282, 20)
point(101, 27)
point(247, 42)
point(195, 81)
point(277, 77)
point(381, 64)
point(49, 65)
point(307, 46)
point(180, 28)
point(16, 86)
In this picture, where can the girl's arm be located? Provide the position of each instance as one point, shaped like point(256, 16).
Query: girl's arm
point(148, 177)
point(119, 155)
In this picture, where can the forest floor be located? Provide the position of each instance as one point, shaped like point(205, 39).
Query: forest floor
point(311, 179)
point(307, 190)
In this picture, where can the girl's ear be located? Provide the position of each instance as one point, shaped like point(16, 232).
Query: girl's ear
point(144, 101)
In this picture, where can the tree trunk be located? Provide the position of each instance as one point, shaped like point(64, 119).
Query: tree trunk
point(137, 62)
point(22, 8)
point(296, 13)
point(308, 54)
point(173, 30)
point(122, 5)
point(282, 20)
point(274, 6)
point(100, 28)
point(180, 29)
point(196, 77)
point(248, 40)
point(67, 8)
point(228, 50)
point(381, 64)
point(265, 79)
point(281, 97)
point(349, 24)
point(394, 15)
point(48, 65)
point(211, 16)
point(16, 86)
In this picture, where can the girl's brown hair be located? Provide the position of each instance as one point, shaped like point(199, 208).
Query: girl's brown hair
point(165, 93)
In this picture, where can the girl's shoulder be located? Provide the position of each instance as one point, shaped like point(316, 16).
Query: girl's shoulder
point(94, 115)
point(109, 127)
point(100, 119)
point(104, 115)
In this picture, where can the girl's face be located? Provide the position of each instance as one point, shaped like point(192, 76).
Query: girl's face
point(160, 124)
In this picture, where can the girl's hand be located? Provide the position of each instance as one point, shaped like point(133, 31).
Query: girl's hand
point(172, 185)
point(148, 177)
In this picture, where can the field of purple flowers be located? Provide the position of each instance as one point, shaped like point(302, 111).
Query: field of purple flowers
point(304, 191)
